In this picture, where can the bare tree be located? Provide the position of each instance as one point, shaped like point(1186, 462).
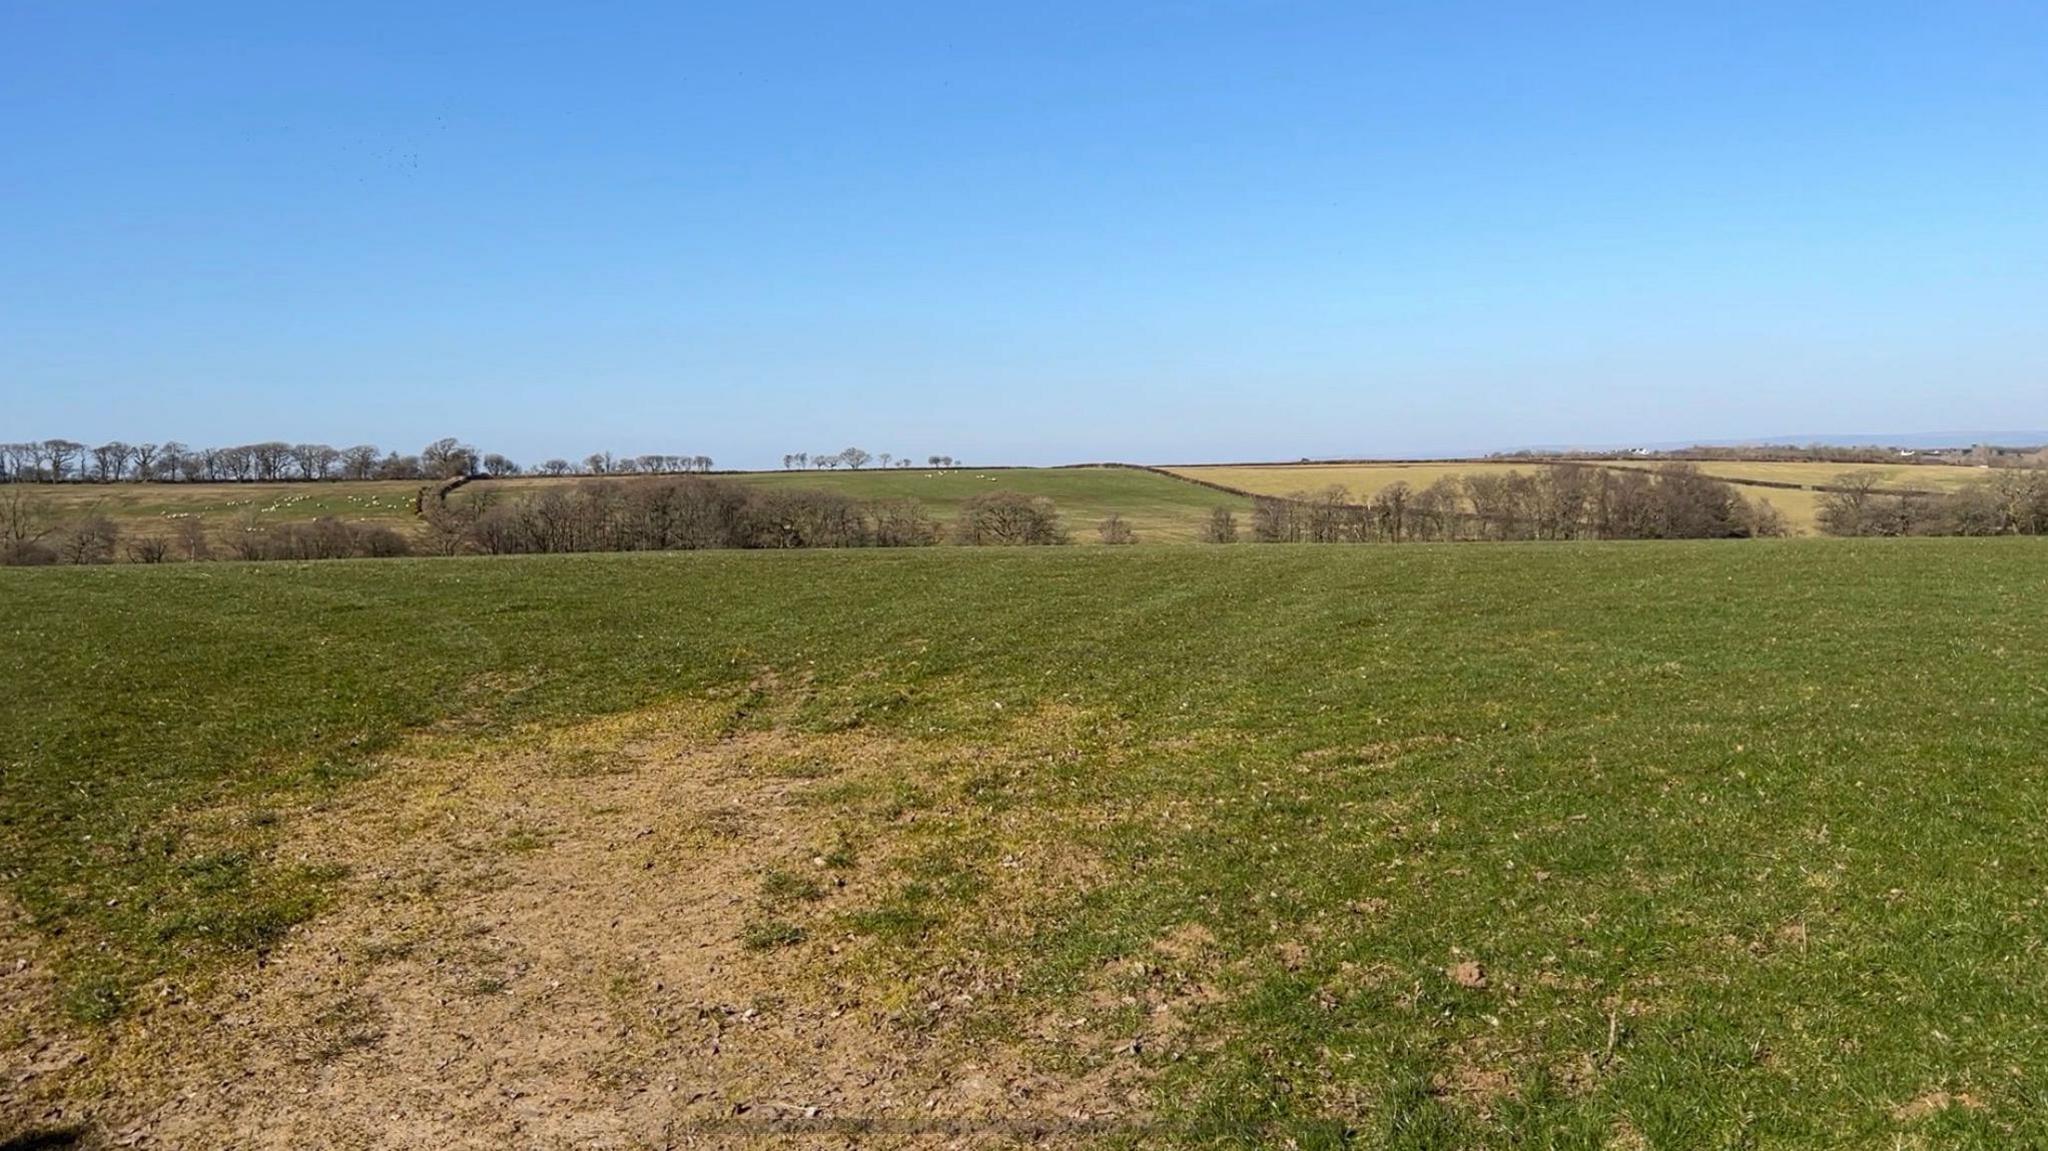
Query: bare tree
point(62, 456)
point(855, 458)
point(555, 467)
point(396, 467)
point(359, 462)
point(499, 465)
point(1221, 528)
point(269, 459)
point(148, 550)
point(110, 461)
point(191, 536)
point(1007, 517)
point(1847, 507)
point(315, 461)
point(448, 458)
point(91, 540)
point(1114, 529)
point(25, 517)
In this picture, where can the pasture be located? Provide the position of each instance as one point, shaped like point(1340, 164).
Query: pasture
point(1661, 845)
point(146, 508)
point(1159, 508)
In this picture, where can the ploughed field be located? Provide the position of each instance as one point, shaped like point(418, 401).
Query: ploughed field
point(1679, 844)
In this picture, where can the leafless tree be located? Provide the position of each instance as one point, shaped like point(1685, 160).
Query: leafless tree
point(499, 465)
point(25, 517)
point(270, 459)
point(192, 538)
point(555, 467)
point(148, 550)
point(1007, 517)
point(448, 458)
point(62, 456)
point(396, 467)
point(1847, 508)
point(1114, 529)
point(1221, 528)
point(91, 539)
point(110, 461)
point(315, 461)
point(359, 462)
point(902, 524)
point(1274, 520)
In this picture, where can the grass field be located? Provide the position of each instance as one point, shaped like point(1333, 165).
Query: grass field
point(1159, 509)
point(1611, 845)
point(150, 507)
point(1800, 508)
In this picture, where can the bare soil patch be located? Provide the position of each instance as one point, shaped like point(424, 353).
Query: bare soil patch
point(627, 934)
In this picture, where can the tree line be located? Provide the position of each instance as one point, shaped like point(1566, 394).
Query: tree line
point(853, 459)
point(1554, 502)
point(274, 461)
point(686, 513)
point(679, 512)
point(2014, 501)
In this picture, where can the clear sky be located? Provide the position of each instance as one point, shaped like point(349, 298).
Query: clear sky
point(1032, 232)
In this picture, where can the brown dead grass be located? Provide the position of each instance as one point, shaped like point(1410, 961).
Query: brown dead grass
point(1933, 1102)
point(545, 942)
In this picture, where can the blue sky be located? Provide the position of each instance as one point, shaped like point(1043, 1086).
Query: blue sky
point(1027, 233)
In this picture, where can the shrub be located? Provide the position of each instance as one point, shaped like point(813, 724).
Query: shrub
point(1221, 528)
point(1008, 518)
point(26, 553)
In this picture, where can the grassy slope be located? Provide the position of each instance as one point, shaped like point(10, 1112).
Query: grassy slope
point(1747, 836)
point(1160, 509)
point(141, 507)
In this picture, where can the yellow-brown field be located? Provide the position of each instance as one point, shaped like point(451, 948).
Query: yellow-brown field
point(1800, 507)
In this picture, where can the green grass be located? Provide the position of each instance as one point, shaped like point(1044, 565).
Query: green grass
point(152, 508)
point(1160, 509)
point(1749, 838)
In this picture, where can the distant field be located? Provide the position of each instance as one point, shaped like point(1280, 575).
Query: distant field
point(143, 507)
point(1655, 845)
point(1922, 477)
point(1800, 508)
point(1160, 509)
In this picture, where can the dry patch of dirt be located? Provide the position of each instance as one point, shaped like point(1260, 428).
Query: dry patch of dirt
point(38, 1057)
point(1476, 1076)
point(624, 934)
point(1920, 1107)
point(1467, 973)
